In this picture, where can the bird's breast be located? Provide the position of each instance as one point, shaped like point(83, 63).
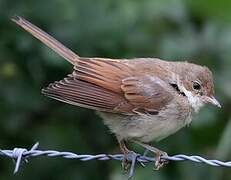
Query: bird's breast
point(149, 127)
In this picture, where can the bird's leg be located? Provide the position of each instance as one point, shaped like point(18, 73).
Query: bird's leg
point(129, 159)
point(158, 153)
point(126, 152)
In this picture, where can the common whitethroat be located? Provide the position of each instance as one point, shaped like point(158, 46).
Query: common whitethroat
point(140, 99)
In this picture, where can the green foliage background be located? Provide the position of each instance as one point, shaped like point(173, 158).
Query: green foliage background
point(197, 31)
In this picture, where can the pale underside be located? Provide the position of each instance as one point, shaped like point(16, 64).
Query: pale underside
point(146, 128)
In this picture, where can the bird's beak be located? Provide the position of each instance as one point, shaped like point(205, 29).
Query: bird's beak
point(212, 100)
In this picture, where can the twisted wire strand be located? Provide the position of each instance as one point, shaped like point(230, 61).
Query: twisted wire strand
point(20, 155)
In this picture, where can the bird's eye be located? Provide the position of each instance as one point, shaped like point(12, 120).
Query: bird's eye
point(196, 85)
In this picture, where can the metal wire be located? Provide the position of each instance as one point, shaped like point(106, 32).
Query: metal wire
point(20, 155)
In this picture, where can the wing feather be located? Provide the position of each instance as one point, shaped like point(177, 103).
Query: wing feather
point(103, 72)
point(85, 94)
point(143, 92)
point(146, 93)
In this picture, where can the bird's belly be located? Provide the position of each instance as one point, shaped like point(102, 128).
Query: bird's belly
point(147, 127)
point(151, 128)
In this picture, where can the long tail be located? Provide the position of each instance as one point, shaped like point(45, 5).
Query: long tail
point(47, 39)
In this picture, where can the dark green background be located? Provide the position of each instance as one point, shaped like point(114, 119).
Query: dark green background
point(197, 31)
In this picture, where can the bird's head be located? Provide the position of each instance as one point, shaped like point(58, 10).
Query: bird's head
point(197, 85)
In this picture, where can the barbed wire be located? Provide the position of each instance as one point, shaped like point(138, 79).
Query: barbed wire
point(20, 155)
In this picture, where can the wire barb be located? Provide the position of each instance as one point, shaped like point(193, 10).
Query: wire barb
point(20, 155)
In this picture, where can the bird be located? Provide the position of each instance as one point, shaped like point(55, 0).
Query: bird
point(140, 99)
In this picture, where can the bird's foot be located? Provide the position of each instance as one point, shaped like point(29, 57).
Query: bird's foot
point(125, 163)
point(128, 160)
point(159, 161)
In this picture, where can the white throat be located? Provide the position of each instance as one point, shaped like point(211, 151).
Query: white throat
point(194, 100)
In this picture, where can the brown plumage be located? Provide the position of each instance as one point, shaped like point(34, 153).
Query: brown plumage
point(140, 99)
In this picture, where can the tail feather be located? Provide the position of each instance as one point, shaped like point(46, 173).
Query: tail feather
point(47, 39)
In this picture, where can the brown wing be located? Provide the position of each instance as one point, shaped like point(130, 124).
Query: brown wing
point(147, 93)
point(106, 73)
point(94, 84)
point(84, 94)
point(110, 85)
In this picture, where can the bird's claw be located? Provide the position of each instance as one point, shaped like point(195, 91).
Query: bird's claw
point(159, 163)
point(129, 162)
point(125, 164)
point(129, 157)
